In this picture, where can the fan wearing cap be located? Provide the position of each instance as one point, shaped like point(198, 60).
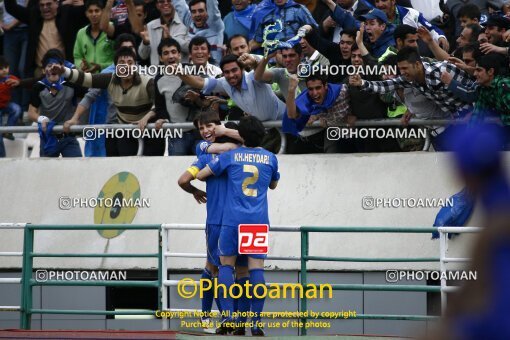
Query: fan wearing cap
point(51, 103)
point(495, 28)
point(378, 31)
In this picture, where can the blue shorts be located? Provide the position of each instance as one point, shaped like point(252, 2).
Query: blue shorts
point(212, 235)
point(228, 245)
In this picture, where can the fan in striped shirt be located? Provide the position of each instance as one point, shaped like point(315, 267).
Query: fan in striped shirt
point(426, 78)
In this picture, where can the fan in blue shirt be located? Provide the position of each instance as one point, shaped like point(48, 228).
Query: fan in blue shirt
point(251, 171)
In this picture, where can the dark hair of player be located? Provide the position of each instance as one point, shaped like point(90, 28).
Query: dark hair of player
point(409, 54)
point(251, 131)
point(206, 117)
point(168, 42)
point(225, 139)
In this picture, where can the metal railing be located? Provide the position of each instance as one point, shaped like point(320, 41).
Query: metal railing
point(7, 280)
point(268, 124)
point(164, 253)
point(78, 129)
point(443, 249)
point(305, 257)
point(28, 282)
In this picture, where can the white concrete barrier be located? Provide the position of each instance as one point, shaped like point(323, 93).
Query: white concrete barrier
point(321, 190)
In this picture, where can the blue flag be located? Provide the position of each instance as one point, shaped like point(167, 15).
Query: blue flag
point(455, 215)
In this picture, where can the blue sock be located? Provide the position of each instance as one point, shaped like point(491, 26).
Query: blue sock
point(235, 302)
point(226, 277)
point(243, 302)
point(207, 300)
point(257, 304)
point(217, 298)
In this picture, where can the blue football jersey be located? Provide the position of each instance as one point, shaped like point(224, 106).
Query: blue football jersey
point(201, 147)
point(216, 188)
point(250, 172)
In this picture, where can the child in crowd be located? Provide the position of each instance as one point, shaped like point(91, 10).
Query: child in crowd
point(8, 107)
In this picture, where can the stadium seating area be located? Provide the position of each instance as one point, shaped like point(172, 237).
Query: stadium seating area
point(330, 63)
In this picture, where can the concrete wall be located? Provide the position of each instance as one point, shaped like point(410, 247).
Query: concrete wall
point(316, 190)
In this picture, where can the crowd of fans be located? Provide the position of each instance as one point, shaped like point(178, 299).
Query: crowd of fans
point(59, 62)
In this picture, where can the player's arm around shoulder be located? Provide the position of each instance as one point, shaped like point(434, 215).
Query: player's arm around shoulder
point(222, 130)
point(219, 148)
point(215, 167)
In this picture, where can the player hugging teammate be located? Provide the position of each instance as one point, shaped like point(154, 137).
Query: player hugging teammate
point(237, 182)
point(209, 125)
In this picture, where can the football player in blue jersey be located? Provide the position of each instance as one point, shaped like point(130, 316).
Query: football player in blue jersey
point(251, 171)
point(217, 139)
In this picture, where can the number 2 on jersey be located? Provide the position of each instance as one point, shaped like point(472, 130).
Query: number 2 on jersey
point(252, 169)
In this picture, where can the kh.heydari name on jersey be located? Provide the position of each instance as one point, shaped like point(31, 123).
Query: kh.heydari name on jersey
point(251, 158)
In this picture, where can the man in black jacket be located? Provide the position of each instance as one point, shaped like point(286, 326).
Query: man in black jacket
point(366, 106)
point(49, 26)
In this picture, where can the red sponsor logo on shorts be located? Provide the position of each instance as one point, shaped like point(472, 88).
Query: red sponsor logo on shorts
point(253, 238)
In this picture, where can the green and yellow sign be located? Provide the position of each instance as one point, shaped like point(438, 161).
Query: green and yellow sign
point(119, 189)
